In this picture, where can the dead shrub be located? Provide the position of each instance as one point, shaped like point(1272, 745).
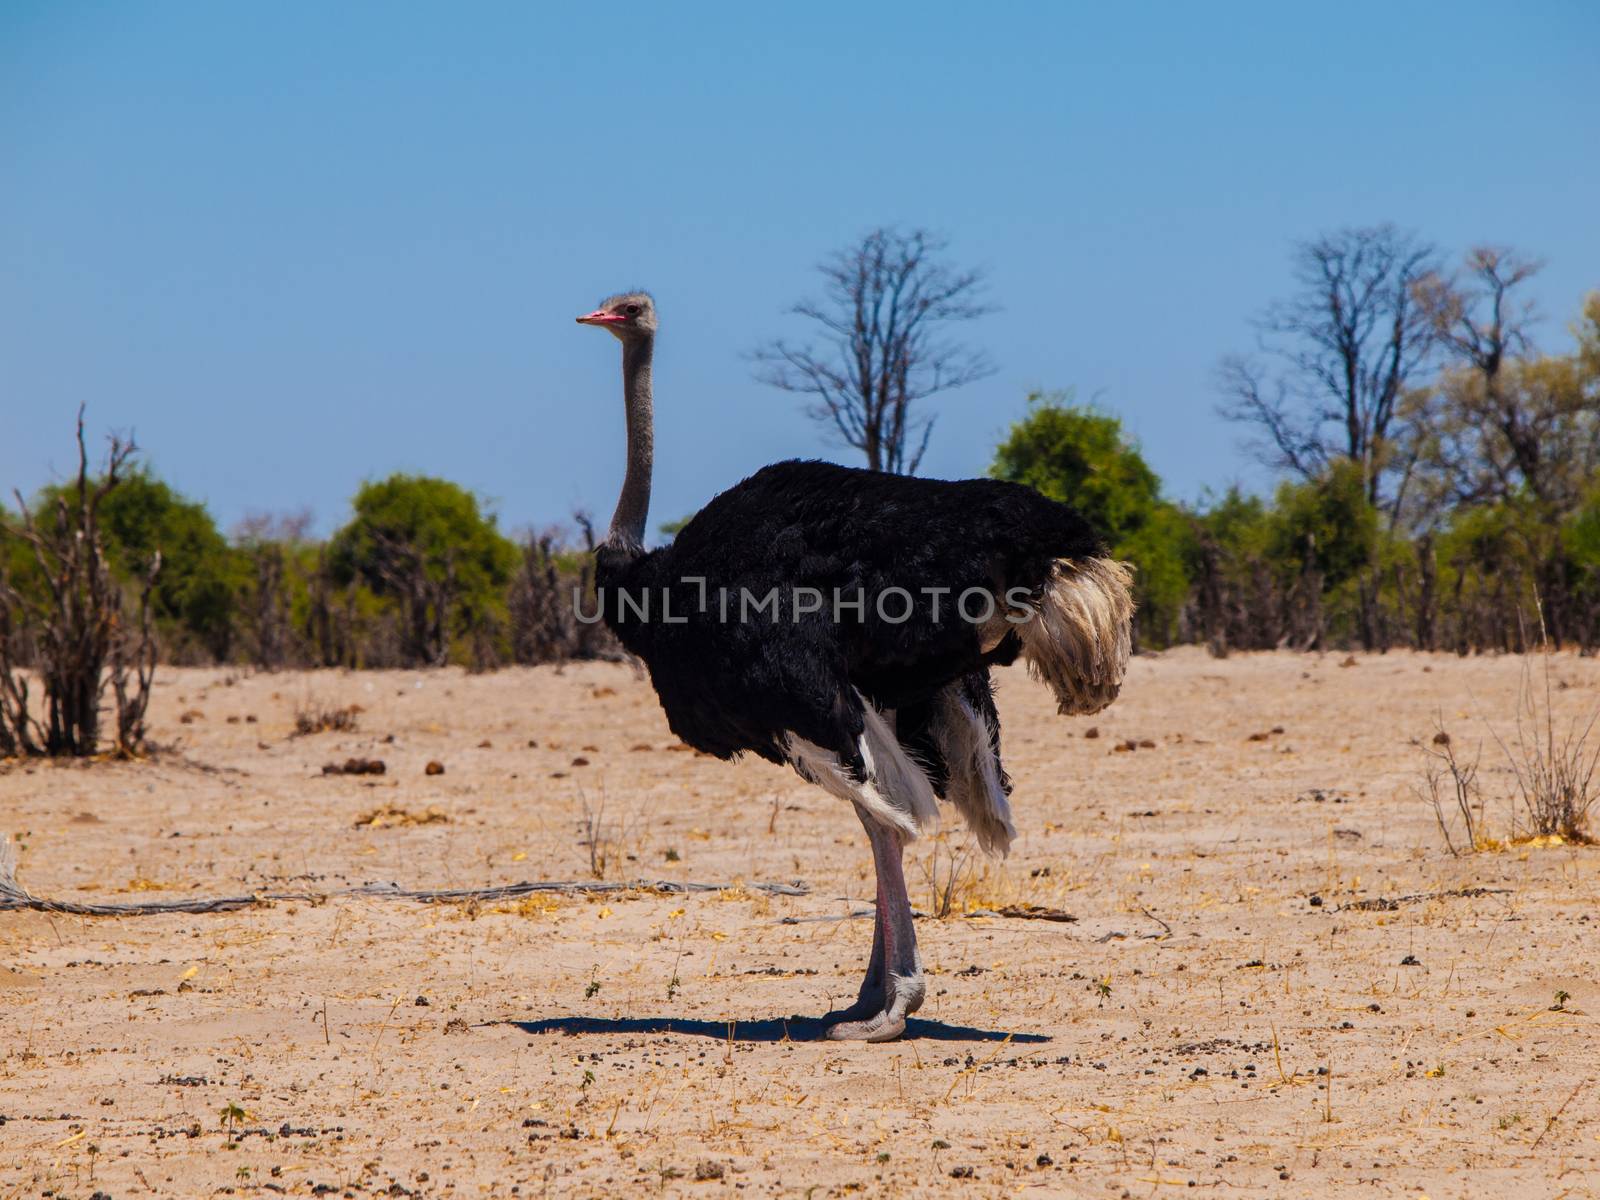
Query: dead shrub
point(1554, 765)
point(552, 601)
point(947, 871)
point(77, 628)
point(1450, 786)
point(1554, 768)
point(321, 718)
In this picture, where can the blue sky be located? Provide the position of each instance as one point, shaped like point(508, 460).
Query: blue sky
point(293, 246)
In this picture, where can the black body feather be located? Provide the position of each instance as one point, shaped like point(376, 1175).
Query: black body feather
point(743, 683)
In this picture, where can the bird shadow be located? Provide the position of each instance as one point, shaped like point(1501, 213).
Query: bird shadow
point(772, 1029)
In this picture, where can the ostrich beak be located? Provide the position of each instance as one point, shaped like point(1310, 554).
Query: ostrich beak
point(601, 317)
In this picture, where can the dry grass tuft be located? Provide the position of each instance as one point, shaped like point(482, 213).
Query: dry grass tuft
point(947, 871)
point(393, 816)
point(539, 904)
point(604, 840)
point(960, 884)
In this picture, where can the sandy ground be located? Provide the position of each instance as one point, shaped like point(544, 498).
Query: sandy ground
point(1217, 1017)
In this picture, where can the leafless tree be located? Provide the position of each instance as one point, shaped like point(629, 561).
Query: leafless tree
point(1473, 313)
point(1498, 422)
point(1504, 426)
point(265, 541)
point(885, 299)
point(1346, 347)
point(82, 632)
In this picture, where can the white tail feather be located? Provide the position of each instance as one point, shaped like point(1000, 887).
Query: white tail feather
point(1080, 636)
point(967, 743)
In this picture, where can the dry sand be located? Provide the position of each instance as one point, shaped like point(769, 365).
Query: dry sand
point(1216, 1018)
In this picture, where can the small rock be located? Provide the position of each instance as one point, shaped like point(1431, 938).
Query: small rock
point(434, 768)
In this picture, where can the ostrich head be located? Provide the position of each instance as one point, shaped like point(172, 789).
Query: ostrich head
point(630, 315)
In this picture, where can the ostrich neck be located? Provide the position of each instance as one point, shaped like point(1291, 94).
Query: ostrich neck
point(633, 506)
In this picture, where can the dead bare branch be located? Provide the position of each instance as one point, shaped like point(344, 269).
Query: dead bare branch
point(881, 354)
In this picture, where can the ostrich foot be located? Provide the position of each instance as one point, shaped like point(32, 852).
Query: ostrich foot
point(867, 1005)
point(882, 1019)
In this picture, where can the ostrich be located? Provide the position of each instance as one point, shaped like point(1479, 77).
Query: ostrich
point(833, 619)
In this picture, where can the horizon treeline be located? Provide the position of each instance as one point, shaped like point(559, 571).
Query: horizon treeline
point(420, 575)
point(1440, 490)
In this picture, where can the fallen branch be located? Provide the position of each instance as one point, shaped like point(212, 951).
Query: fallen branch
point(1021, 912)
point(14, 897)
point(1390, 903)
point(1556, 1116)
point(1024, 912)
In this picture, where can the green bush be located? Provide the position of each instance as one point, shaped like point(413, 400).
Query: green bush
point(1082, 457)
point(424, 545)
point(1327, 522)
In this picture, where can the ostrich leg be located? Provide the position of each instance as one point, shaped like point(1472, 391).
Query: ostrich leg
point(893, 988)
point(869, 1003)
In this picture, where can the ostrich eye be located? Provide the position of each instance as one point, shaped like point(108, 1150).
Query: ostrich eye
point(631, 309)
